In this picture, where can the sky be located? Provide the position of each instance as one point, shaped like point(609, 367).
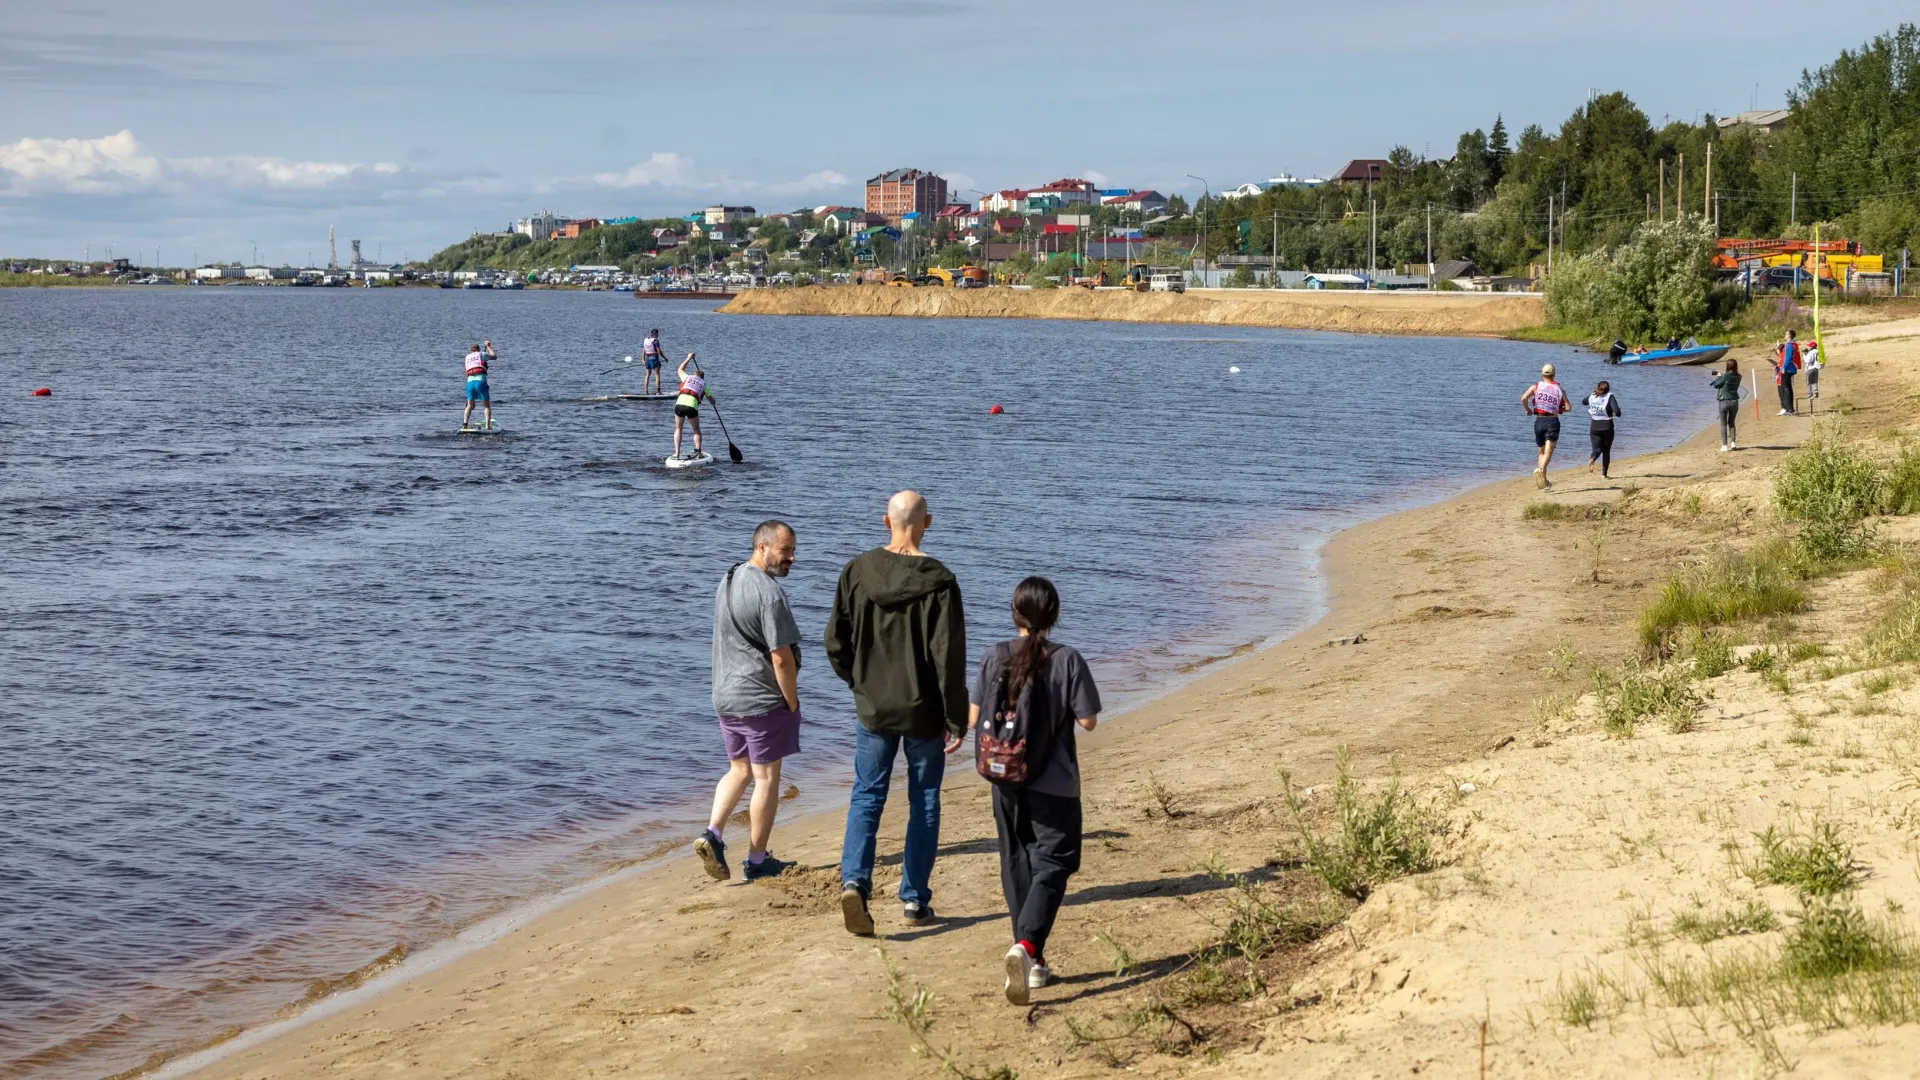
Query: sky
point(199, 130)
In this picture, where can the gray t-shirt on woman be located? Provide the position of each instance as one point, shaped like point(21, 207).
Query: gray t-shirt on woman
point(743, 682)
point(1070, 694)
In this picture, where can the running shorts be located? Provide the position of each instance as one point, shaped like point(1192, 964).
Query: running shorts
point(1546, 429)
point(686, 410)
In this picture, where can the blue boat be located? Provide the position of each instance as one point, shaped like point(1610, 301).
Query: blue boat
point(1696, 354)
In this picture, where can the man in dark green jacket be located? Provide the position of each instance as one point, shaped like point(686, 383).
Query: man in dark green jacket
point(898, 638)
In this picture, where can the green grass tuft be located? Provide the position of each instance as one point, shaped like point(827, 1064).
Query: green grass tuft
point(1379, 839)
point(1817, 865)
point(1723, 590)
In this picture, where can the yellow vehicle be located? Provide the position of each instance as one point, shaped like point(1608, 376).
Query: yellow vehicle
point(939, 275)
point(899, 280)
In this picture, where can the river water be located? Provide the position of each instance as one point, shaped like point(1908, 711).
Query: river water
point(292, 676)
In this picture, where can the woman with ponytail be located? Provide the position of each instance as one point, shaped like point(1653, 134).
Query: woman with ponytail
point(1038, 820)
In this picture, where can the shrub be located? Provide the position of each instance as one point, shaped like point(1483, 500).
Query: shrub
point(1902, 493)
point(1831, 939)
point(1754, 918)
point(1712, 654)
point(1379, 840)
point(1654, 286)
point(1818, 865)
point(1544, 511)
point(1829, 489)
point(1723, 590)
point(1665, 693)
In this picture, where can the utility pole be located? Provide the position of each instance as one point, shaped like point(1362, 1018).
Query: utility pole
point(1793, 201)
point(1680, 191)
point(1549, 236)
point(1373, 234)
point(1429, 240)
point(1706, 193)
point(1663, 191)
point(1273, 257)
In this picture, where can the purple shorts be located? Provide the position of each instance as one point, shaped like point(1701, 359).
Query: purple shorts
point(762, 739)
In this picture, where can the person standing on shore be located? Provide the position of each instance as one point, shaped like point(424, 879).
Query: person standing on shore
point(650, 352)
point(1545, 401)
point(756, 695)
point(1786, 363)
point(1039, 689)
point(1813, 366)
point(480, 360)
point(1726, 390)
point(686, 405)
point(1602, 407)
point(897, 637)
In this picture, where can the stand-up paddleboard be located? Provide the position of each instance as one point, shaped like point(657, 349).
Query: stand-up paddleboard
point(702, 458)
point(470, 430)
point(628, 397)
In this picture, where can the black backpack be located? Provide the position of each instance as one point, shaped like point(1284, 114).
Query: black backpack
point(1015, 738)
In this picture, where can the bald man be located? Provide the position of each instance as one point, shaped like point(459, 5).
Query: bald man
point(897, 637)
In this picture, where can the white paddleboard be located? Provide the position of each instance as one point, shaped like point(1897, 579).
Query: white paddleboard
point(478, 431)
point(703, 458)
point(629, 397)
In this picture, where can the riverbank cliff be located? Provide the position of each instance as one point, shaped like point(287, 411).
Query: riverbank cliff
point(1443, 314)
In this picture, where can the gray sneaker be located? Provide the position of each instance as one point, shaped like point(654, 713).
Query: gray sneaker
point(853, 909)
point(1039, 976)
point(917, 914)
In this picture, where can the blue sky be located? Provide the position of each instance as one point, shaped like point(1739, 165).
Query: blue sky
point(211, 127)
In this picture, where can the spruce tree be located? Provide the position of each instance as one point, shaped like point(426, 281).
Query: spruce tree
point(1497, 151)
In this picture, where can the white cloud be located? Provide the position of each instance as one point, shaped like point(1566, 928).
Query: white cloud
point(118, 165)
point(666, 169)
point(108, 164)
point(671, 171)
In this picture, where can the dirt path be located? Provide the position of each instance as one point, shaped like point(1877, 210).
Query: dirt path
point(1446, 314)
point(1464, 607)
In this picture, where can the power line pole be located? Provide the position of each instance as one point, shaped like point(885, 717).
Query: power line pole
point(1793, 201)
point(1549, 236)
point(1429, 239)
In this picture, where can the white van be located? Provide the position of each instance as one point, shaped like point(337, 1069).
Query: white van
point(1172, 281)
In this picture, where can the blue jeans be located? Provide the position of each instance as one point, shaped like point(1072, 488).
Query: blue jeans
point(873, 756)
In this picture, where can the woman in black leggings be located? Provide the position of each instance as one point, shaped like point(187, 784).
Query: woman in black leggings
point(1602, 407)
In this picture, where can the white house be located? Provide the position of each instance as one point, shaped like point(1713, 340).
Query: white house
point(721, 215)
point(539, 226)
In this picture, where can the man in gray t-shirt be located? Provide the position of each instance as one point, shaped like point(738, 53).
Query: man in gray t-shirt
point(756, 665)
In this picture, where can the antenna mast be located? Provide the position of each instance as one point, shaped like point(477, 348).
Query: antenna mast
point(333, 255)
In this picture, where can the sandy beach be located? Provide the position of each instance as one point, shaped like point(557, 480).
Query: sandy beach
point(1564, 854)
point(1439, 314)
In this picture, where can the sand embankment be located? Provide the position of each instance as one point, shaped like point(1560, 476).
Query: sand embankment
point(1446, 314)
point(1569, 853)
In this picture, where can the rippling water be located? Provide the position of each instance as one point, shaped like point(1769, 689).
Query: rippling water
point(291, 676)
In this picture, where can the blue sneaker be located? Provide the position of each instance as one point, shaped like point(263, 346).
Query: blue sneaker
point(765, 868)
point(713, 855)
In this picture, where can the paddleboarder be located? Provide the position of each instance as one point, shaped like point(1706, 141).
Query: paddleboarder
point(479, 358)
point(650, 351)
point(686, 406)
point(1545, 401)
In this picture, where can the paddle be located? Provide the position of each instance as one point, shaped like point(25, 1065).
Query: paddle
point(732, 450)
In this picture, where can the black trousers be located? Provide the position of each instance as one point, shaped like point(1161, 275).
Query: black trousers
point(1039, 850)
point(1602, 439)
point(1729, 415)
point(1786, 392)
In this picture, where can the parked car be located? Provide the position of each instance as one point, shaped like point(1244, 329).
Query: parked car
point(1170, 282)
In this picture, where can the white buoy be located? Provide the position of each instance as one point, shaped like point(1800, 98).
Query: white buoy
point(629, 359)
point(1233, 371)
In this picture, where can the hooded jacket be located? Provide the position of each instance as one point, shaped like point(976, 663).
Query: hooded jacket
point(898, 638)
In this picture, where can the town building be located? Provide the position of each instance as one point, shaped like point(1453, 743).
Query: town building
point(539, 226)
point(906, 191)
point(572, 229)
point(1069, 191)
point(1144, 202)
point(722, 215)
point(1764, 119)
point(1361, 171)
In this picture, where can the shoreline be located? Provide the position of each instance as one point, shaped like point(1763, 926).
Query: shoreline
point(1440, 314)
point(1336, 565)
point(660, 954)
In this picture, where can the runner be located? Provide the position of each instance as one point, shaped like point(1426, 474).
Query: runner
point(1545, 401)
point(650, 349)
point(1726, 388)
point(686, 407)
point(1602, 407)
point(478, 359)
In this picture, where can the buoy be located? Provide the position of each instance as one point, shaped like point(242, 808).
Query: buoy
point(47, 391)
point(995, 411)
point(1233, 371)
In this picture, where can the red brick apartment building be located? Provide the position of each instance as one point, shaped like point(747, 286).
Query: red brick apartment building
point(906, 191)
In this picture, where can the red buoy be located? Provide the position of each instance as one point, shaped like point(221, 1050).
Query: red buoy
point(995, 411)
point(47, 391)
